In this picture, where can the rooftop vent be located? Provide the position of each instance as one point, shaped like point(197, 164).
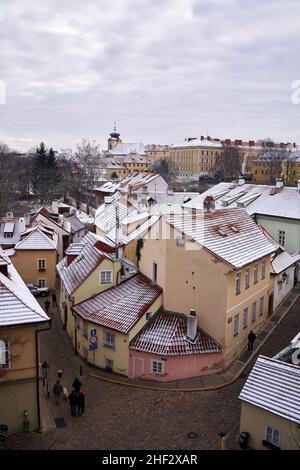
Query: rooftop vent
point(234, 229)
point(222, 232)
point(279, 183)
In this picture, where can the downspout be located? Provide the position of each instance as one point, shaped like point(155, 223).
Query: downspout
point(71, 299)
point(37, 356)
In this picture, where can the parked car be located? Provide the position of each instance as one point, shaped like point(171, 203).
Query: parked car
point(38, 291)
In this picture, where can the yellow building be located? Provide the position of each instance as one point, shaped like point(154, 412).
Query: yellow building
point(35, 256)
point(21, 322)
point(107, 322)
point(264, 171)
point(270, 411)
point(217, 263)
point(85, 271)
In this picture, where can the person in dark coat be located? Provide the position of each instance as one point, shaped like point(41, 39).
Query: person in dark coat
point(57, 391)
point(81, 402)
point(251, 339)
point(76, 385)
point(47, 305)
point(54, 300)
point(73, 404)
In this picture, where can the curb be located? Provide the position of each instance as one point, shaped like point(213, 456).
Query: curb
point(201, 389)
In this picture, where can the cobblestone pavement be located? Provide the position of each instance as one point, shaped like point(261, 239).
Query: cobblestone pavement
point(120, 417)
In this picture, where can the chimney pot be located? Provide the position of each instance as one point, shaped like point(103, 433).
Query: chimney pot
point(209, 204)
point(191, 332)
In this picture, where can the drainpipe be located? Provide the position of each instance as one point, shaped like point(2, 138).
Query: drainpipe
point(37, 357)
point(71, 299)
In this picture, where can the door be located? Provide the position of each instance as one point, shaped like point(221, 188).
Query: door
point(138, 368)
point(271, 300)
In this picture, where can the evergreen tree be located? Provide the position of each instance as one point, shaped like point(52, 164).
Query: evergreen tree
point(45, 175)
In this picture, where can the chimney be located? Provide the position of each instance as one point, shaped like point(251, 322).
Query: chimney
point(241, 180)
point(202, 137)
point(208, 137)
point(191, 330)
point(251, 143)
point(279, 183)
point(209, 204)
point(22, 224)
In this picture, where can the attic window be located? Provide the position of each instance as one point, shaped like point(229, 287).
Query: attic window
point(222, 233)
point(234, 229)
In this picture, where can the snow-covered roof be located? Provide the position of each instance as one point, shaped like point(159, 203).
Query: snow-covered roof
point(274, 386)
point(80, 268)
point(257, 199)
point(119, 308)
point(138, 232)
point(197, 142)
point(283, 260)
point(165, 334)
point(230, 234)
point(132, 182)
point(124, 148)
point(38, 238)
point(14, 226)
point(73, 224)
point(106, 215)
point(17, 304)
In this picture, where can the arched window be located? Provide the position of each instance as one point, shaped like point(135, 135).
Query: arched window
point(4, 354)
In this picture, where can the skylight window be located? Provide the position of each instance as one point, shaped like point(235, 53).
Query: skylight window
point(222, 232)
point(234, 229)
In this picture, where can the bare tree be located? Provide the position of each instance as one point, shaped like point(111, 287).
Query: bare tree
point(273, 159)
point(228, 163)
point(162, 168)
point(8, 178)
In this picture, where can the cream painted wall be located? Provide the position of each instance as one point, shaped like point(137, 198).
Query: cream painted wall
point(255, 420)
point(26, 263)
point(58, 230)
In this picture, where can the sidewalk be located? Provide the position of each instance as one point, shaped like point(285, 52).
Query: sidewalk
point(213, 382)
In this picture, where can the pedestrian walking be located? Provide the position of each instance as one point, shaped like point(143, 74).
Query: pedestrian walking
point(73, 404)
point(47, 305)
point(76, 385)
point(81, 402)
point(57, 391)
point(54, 300)
point(251, 339)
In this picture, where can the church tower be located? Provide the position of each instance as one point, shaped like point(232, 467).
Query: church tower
point(114, 139)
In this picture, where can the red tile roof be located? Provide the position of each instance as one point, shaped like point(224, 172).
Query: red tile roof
point(119, 308)
point(165, 334)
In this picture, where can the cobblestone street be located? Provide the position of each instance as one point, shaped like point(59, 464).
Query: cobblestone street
point(121, 417)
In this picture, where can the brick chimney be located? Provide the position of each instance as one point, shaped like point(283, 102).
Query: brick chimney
point(209, 204)
point(191, 330)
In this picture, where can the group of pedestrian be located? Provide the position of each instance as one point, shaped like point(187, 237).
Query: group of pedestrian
point(77, 399)
point(54, 302)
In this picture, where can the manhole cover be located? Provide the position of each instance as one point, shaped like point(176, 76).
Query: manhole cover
point(192, 435)
point(60, 422)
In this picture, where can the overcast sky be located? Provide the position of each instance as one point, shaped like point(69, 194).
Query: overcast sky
point(162, 69)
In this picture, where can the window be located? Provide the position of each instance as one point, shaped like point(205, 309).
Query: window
point(236, 324)
point(105, 277)
point(4, 354)
point(109, 365)
point(84, 329)
point(8, 235)
point(180, 241)
point(254, 312)
point(238, 283)
point(42, 282)
point(154, 273)
point(41, 264)
point(109, 339)
point(281, 237)
point(263, 269)
point(157, 367)
point(247, 279)
point(261, 306)
point(255, 273)
point(273, 436)
point(245, 318)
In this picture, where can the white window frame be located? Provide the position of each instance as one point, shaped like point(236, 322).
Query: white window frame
point(255, 273)
point(109, 339)
point(157, 367)
point(245, 318)
point(254, 311)
point(41, 264)
point(270, 434)
point(106, 273)
point(43, 283)
point(180, 241)
point(281, 237)
point(238, 283)
point(4, 354)
point(261, 305)
point(236, 324)
point(247, 278)
point(263, 269)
